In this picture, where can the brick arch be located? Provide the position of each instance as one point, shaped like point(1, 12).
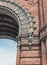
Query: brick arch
point(29, 50)
point(20, 14)
point(23, 19)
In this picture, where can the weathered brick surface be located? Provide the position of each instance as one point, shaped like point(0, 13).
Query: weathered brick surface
point(30, 61)
point(32, 48)
point(30, 53)
point(43, 54)
point(42, 12)
point(34, 54)
point(33, 10)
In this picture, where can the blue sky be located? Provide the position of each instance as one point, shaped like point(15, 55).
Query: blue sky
point(8, 52)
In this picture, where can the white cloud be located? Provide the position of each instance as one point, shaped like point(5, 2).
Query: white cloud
point(7, 57)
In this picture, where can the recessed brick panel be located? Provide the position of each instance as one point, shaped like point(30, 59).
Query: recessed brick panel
point(30, 53)
point(30, 61)
point(32, 48)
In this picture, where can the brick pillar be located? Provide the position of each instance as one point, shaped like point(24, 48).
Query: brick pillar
point(18, 52)
point(18, 56)
point(43, 53)
point(46, 50)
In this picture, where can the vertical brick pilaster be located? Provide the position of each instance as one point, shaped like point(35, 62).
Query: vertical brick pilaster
point(18, 56)
point(46, 51)
point(43, 53)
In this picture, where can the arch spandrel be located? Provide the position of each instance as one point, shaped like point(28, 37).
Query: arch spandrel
point(20, 14)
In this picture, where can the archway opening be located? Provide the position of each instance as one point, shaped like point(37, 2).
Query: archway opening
point(8, 52)
point(9, 29)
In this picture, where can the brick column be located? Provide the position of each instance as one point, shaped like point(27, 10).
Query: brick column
point(18, 56)
point(43, 53)
point(46, 50)
point(18, 52)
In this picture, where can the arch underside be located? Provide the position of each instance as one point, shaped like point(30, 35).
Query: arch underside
point(14, 20)
point(9, 28)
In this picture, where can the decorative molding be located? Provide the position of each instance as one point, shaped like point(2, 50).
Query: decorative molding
point(32, 2)
point(43, 32)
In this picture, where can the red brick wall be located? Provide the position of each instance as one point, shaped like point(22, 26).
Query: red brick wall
point(33, 10)
point(37, 9)
point(43, 12)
